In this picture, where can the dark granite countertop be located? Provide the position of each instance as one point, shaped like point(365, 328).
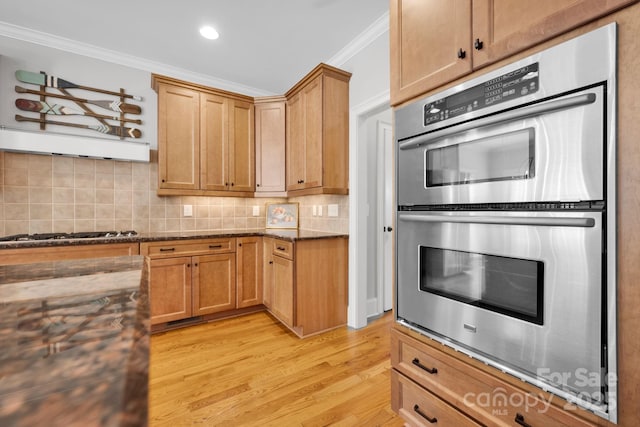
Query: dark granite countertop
point(75, 343)
point(284, 234)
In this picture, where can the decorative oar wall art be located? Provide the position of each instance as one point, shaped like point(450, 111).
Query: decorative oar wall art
point(111, 110)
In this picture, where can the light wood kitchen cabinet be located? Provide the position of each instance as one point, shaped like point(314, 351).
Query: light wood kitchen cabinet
point(270, 146)
point(300, 290)
point(438, 382)
point(317, 133)
point(170, 288)
point(283, 294)
point(206, 140)
point(12, 256)
point(435, 42)
point(214, 283)
point(249, 272)
point(191, 277)
point(267, 272)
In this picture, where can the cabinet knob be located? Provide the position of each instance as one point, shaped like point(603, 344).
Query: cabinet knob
point(478, 44)
point(270, 262)
point(461, 53)
point(232, 184)
point(164, 180)
point(239, 244)
point(257, 185)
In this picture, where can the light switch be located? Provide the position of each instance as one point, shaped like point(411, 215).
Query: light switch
point(256, 210)
point(332, 210)
point(315, 210)
point(188, 210)
point(319, 210)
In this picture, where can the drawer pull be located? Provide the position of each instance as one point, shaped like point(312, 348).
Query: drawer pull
point(167, 249)
point(433, 420)
point(280, 248)
point(215, 246)
point(520, 420)
point(416, 362)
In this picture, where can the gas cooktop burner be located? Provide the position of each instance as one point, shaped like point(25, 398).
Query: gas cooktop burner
point(76, 235)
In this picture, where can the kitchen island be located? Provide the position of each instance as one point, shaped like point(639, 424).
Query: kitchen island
point(75, 343)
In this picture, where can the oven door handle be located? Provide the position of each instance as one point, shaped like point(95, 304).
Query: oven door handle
point(502, 220)
point(520, 113)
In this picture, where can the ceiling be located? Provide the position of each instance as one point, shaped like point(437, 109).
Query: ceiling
point(266, 45)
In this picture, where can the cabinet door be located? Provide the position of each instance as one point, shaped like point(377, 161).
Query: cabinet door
point(214, 150)
point(283, 293)
point(505, 27)
point(267, 272)
point(313, 120)
point(270, 146)
point(170, 289)
point(241, 147)
point(214, 283)
point(249, 274)
point(426, 39)
point(295, 145)
point(178, 137)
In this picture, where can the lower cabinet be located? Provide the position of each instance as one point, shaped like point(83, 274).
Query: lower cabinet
point(214, 283)
point(428, 384)
point(249, 271)
point(302, 283)
point(170, 289)
point(12, 256)
point(305, 283)
point(191, 278)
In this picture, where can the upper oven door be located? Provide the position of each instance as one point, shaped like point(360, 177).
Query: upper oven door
point(543, 152)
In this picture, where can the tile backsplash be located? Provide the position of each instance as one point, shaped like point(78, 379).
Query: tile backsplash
point(43, 194)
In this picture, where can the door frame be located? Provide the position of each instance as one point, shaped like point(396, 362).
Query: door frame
point(384, 297)
point(358, 209)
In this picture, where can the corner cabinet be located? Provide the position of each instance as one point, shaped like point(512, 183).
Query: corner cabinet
point(270, 146)
point(435, 42)
point(299, 289)
point(317, 133)
point(205, 140)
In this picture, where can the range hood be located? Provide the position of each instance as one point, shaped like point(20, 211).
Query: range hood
point(72, 145)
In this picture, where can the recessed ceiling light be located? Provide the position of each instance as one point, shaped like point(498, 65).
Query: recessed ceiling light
point(209, 32)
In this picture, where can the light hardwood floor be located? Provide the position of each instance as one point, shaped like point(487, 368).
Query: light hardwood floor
point(251, 371)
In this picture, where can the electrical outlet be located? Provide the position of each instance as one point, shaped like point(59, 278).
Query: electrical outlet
point(315, 210)
point(332, 210)
point(256, 211)
point(319, 210)
point(187, 210)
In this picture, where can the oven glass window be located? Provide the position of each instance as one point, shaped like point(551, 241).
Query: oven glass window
point(503, 157)
point(505, 285)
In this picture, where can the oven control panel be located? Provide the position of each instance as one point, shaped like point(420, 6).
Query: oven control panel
point(512, 85)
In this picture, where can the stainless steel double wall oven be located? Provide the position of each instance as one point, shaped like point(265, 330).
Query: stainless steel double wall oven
point(506, 219)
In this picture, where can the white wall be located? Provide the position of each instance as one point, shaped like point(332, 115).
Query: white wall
point(369, 84)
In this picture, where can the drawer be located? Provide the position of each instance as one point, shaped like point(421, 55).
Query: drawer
point(171, 248)
point(419, 407)
point(485, 397)
point(283, 248)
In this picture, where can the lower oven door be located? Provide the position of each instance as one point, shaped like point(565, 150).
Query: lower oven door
point(522, 290)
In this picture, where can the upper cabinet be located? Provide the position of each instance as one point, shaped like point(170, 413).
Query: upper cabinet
point(434, 42)
point(270, 146)
point(317, 133)
point(205, 140)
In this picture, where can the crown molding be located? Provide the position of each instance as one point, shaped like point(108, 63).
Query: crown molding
point(85, 49)
point(379, 27)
